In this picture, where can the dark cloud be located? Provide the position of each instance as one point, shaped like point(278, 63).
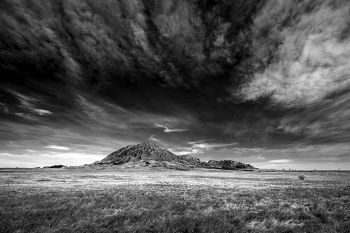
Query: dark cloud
point(246, 75)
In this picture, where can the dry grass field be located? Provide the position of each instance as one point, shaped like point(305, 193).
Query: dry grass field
point(145, 200)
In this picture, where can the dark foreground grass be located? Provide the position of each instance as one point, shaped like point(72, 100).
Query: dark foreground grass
point(175, 208)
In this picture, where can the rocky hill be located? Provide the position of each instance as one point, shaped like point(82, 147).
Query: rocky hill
point(143, 151)
point(149, 154)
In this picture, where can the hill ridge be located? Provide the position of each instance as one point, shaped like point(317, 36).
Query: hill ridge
point(151, 154)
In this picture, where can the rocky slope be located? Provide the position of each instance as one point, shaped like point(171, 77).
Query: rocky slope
point(150, 154)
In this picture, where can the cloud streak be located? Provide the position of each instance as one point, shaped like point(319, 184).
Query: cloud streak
point(167, 130)
point(280, 161)
point(200, 147)
point(42, 112)
point(54, 147)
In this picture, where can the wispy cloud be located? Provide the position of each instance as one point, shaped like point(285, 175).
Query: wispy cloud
point(210, 146)
point(167, 130)
point(25, 116)
point(4, 108)
point(200, 141)
point(28, 106)
point(54, 147)
point(42, 112)
point(31, 151)
point(198, 148)
point(153, 138)
point(280, 161)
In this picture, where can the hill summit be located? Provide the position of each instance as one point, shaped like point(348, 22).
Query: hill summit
point(150, 154)
point(143, 151)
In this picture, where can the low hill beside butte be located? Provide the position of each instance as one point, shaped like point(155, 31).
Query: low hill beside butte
point(150, 154)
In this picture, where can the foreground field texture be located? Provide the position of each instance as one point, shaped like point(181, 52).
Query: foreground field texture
point(142, 200)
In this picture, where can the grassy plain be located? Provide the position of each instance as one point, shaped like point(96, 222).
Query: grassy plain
point(158, 200)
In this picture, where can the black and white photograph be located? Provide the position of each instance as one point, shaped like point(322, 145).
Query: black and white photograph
point(175, 116)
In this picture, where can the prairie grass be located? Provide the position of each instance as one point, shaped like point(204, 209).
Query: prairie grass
point(146, 200)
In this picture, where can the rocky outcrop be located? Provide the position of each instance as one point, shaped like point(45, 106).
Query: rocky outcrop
point(190, 160)
point(56, 166)
point(228, 165)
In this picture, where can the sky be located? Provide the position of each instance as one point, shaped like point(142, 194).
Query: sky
point(265, 82)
